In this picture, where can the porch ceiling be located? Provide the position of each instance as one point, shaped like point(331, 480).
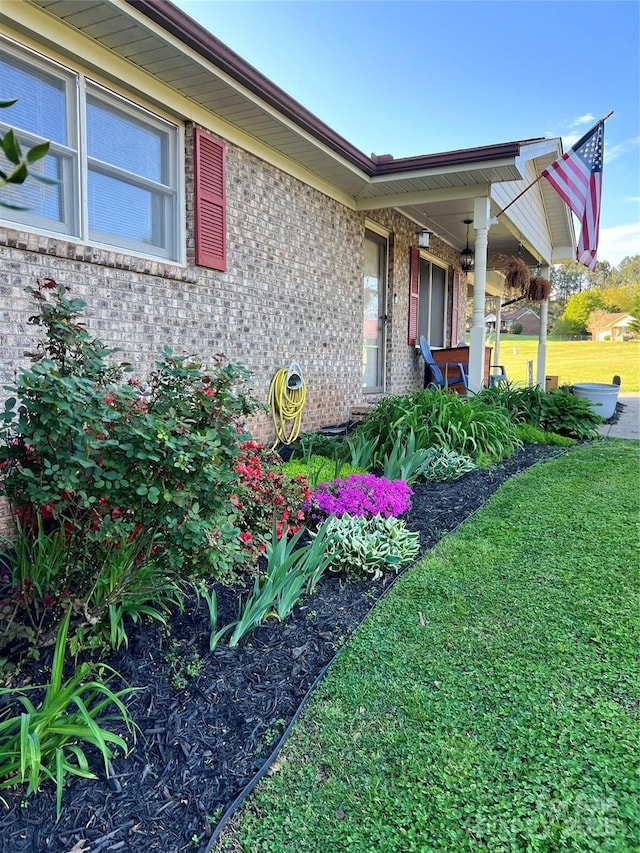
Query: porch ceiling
point(436, 191)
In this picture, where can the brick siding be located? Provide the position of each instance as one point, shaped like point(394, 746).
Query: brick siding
point(292, 289)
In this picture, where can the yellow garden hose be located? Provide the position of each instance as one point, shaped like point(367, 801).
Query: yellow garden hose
point(287, 396)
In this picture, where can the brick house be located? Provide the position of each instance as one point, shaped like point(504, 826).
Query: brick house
point(527, 317)
point(606, 326)
point(201, 207)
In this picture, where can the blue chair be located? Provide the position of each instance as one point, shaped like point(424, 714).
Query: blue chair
point(497, 374)
point(453, 372)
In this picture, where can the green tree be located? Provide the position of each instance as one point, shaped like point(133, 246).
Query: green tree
point(568, 278)
point(580, 306)
point(621, 298)
point(627, 271)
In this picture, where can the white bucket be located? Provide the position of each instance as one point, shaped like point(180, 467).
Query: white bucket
point(602, 397)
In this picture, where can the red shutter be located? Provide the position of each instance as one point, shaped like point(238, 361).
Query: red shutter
point(455, 308)
point(210, 201)
point(414, 294)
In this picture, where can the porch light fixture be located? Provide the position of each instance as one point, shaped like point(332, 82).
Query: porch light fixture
point(424, 235)
point(466, 255)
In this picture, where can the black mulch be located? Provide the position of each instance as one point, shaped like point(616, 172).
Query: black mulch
point(203, 738)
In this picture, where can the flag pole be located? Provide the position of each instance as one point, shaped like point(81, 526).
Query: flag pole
point(533, 183)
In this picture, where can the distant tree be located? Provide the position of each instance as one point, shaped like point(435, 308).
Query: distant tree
point(620, 298)
point(627, 271)
point(597, 322)
point(566, 329)
point(568, 278)
point(580, 306)
point(602, 275)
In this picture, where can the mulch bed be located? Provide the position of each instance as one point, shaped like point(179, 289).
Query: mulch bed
point(208, 722)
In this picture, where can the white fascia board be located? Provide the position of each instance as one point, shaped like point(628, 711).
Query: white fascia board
point(421, 197)
point(563, 253)
point(533, 151)
point(446, 170)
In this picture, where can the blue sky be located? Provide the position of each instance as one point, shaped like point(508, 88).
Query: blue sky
point(423, 76)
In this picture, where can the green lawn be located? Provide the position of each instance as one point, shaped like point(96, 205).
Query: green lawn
point(574, 361)
point(491, 701)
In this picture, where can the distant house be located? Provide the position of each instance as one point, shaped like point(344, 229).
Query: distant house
point(604, 327)
point(527, 317)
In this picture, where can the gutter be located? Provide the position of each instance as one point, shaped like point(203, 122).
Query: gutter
point(190, 33)
point(200, 40)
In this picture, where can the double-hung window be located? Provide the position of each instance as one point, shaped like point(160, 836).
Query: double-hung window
point(115, 163)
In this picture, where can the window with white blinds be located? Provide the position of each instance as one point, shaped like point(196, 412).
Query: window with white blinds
point(115, 163)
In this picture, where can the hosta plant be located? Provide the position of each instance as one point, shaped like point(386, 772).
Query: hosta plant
point(556, 411)
point(360, 546)
point(441, 465)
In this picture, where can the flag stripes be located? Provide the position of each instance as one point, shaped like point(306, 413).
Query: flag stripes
point(577, 178)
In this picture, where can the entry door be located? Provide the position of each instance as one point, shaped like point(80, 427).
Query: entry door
point(373, 325)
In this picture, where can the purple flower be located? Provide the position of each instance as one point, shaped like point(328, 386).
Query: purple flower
point(364, 495)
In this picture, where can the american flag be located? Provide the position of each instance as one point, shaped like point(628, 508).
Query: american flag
point(577, 178)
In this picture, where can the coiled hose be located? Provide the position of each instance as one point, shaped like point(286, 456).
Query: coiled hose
point(287, 396)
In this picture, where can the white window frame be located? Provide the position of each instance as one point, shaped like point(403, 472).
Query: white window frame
point(75, 181)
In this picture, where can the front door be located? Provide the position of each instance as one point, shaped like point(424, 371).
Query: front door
point(373, 324)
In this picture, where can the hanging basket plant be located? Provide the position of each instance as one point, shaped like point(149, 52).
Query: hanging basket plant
point(538, 289)
point(518, 281)
point(516, 276)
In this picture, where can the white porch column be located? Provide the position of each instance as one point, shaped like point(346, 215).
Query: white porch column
point(541, 366)
point(477, 332)
point(496, 349)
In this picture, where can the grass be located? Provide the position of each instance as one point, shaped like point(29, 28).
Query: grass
point(574, 361)
point(490, 701)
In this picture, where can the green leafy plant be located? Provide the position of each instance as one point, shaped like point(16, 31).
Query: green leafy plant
point(132, 584)
point(404, 461)
point(442, 465)
point(362, 448)
point(109, 461)
point(292, 569)
point(316, 444)
point(34, 574)
point(440, 419)
point(211, 599)
point(45, 740)
point(318, 469)
point(183, 665)
point(361, 546)
point(530, 434)
point(20, 162)
point(556, 411)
